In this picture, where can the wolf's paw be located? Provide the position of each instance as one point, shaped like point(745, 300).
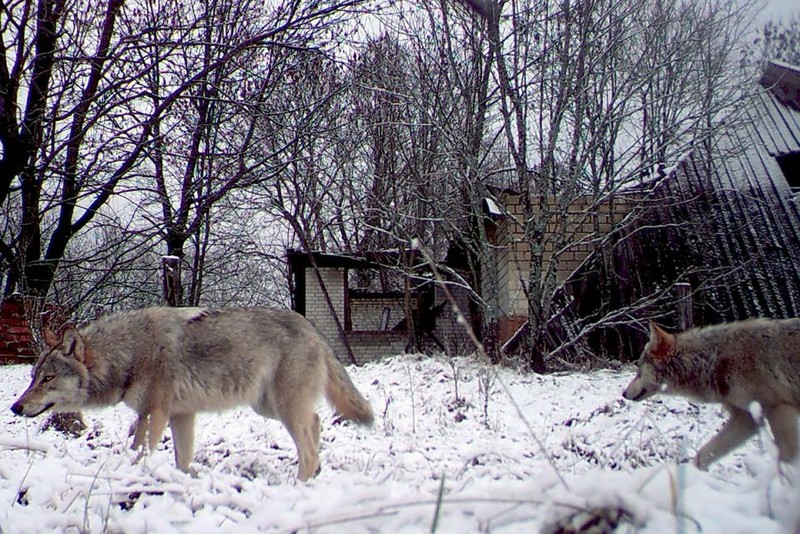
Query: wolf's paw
point(702, 461)
point(189, 470)
point(139, 455)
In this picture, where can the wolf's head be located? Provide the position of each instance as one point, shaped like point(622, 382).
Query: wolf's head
point(60, 377)
point(649, 379)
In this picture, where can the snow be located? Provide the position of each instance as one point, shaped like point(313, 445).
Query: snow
point(510, 452)
point(493, 208)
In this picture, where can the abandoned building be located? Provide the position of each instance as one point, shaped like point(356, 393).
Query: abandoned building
point(724, 222)
point(373, 305)
point(506, 270)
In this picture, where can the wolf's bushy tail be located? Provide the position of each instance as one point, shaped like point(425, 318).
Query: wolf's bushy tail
point(343, 395)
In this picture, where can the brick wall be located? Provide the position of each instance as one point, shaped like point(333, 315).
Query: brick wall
point(514, 258)
point(449, 330)
point(370, 346)
point(317, 311)
point(17, 344)
point(580, 225)
point(368, 313)
point(366, 345)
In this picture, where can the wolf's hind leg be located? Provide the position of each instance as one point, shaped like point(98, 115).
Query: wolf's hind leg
point(158, 422)
point(783, 423)
point(317, 430)
point(303, 425)
point(182, 427)
point(139, 431)
point(738, 429)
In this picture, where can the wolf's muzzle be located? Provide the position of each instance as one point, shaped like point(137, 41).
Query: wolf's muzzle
point(18, 409)
point(634, 397)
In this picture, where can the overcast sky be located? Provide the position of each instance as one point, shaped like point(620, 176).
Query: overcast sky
point(779, 9)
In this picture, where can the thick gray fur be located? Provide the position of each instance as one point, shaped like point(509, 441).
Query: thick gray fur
point(167, 364)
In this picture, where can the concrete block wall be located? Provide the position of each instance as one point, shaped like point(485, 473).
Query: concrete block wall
point(449, 330)
point(580, 225)
point(367, 314)
point(370, 346)
point(367, 344)
point(317, 310)
point(514, 260)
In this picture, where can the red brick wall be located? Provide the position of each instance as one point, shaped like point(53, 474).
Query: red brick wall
point(17, 344)
point(508, 325)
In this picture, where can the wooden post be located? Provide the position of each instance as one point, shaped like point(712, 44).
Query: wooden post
point(683, 305)
point(171, 269)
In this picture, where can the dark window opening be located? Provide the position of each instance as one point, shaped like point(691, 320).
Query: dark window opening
point(375, 300)
point(790, 165)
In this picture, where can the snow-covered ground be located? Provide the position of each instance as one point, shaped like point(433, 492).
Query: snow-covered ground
point(507, 452)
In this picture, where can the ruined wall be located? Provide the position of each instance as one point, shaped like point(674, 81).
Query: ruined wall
point(368, 313)
point(572, 234)
point(17, 344)
point(366, 345)
point(317, 311)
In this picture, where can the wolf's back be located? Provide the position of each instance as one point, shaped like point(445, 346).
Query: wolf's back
point(758, 354)
point(775, 343)
point(786, 356)
point(760, 339)
point(137, 331)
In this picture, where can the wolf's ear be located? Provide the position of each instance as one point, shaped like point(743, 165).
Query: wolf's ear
point(73, 344)
point(661, 343)
point(51, 339)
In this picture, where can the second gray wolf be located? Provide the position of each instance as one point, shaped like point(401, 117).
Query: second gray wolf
point(736, 364)
point(167, 364)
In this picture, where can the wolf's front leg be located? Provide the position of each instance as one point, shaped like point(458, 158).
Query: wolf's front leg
point(736, 431)
point(783, 423)
point(158, 422)
point(139, 431)
point(182, 426)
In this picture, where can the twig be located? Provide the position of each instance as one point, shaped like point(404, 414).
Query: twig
point(439, 500)
point(25, 444)
point(22, 482)
point(413, 402)
point(482, 353)
point(88, 496)
point(393, 509)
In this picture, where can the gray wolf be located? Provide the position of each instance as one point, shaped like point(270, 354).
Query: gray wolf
point(735, 364)
point(167, 364)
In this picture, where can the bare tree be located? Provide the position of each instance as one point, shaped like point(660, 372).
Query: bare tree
point(110, 91)
point(42, 139)
point(778, 40)
point(597, 96)
point(421, 92)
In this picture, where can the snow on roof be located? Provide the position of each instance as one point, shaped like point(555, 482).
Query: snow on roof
point(787, 66)
point(782, 81)
point(492, 208)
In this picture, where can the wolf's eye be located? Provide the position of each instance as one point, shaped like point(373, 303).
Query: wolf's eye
point(47, 379)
